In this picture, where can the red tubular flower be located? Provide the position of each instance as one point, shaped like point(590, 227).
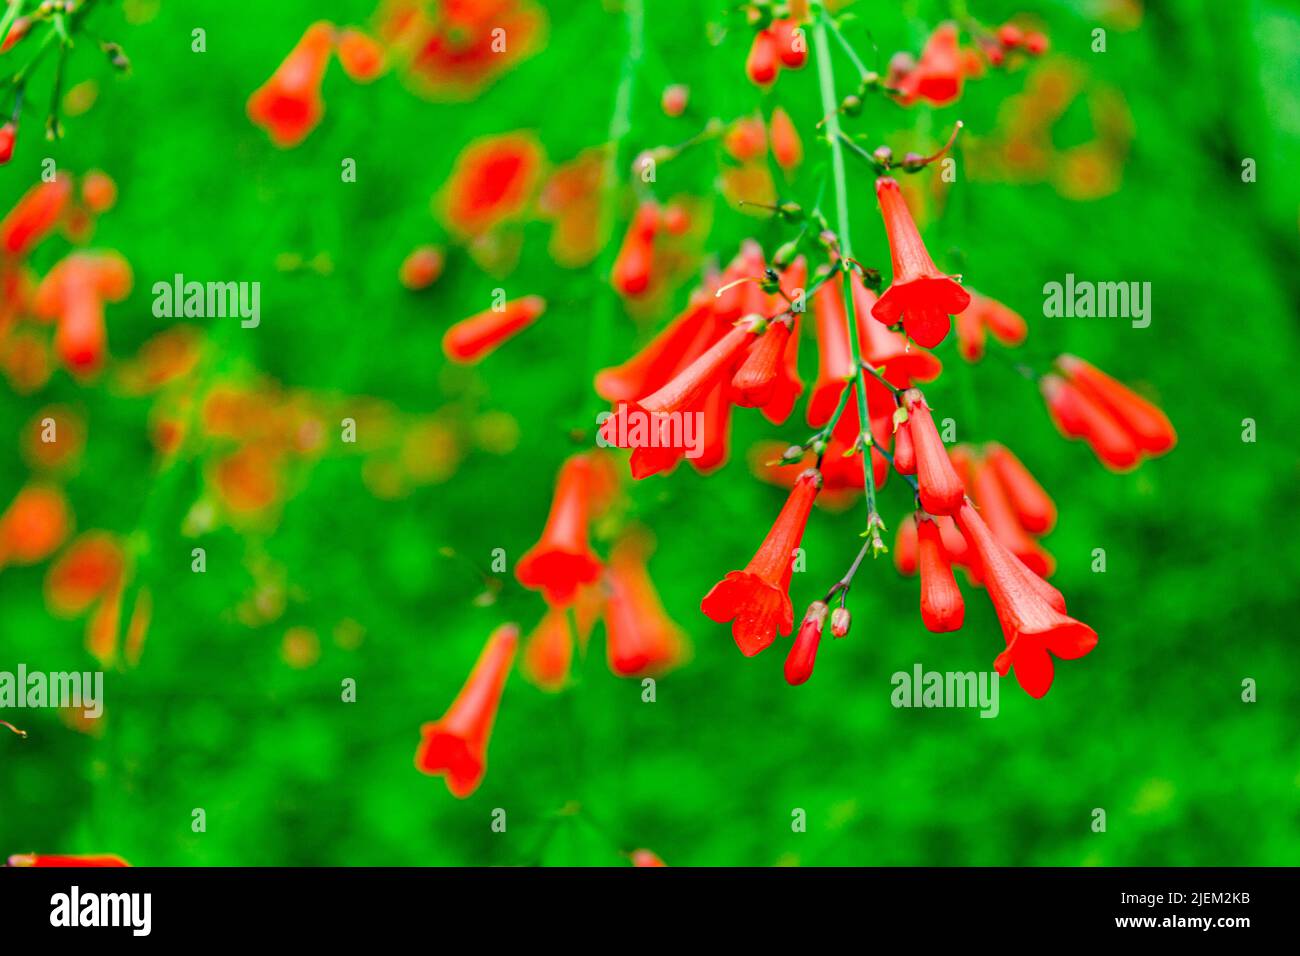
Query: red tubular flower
point(549, 650)
point(8, 138)
point(289, 105)
point(34, 525)
point(970, 334)
point(888, 352)
point(788, 386)
point(646, 425)
point(34, 216)
point(472, 339)
point(791, 44)
point(651, 367)
point(756, 599)
point(1034, 625)
point(640, 638)
point(763, 62)
point(562, 560)
point(493, 180)
point(1150, 428)
point(904, 452)
point(937, 76)
point(920, 296)
point(755, 380)
point(635, 263)
point(941, 491)
point(995, 509)
point(835, 364)
point(942, 607)
point(457, 744)
point(1007, 325)
point(906, 546)
point(1034, 509)
point(421, 268)
point(1078, 415)
point(803, 653)
point(715, 429)
point(361, 56)
point(645, 858)
point(73, 292)
point(54, 860)
point(787, 148)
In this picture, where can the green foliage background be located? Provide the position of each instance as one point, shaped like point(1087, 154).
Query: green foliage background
point(1199, 591)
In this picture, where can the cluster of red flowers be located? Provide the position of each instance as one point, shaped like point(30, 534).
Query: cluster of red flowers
point(778, 44)
point(579, 589)
point(944, 65)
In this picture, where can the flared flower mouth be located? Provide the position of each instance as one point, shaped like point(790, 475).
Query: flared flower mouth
point(757, 609)
point(449, 754)
point(1030, 652)
point(924, 305)
point(557, 572)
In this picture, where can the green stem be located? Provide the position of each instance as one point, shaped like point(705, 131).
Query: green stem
point(826, 83)
point(620, 123)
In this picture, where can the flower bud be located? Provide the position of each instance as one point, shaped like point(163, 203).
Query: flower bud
point(840, 621)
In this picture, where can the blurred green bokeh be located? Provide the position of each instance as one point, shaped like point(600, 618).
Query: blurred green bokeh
point(1198, 595)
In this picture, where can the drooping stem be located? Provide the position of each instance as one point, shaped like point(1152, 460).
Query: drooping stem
point(826, 84)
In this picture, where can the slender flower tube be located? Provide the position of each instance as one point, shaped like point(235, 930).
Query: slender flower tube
point(835, 364)
point(904, 452)
point(942, 607)
point(34, 216)
point(640, 638)
point(920, 296)
point(787, 148)
point(941, 491)
point(1006, 325)
point(789, 386)
point(715, 428)
point(456, 745)
point(289, 105)
point(998, 514)
point(1079, 415)
point(549, 650)
point(803, 653)
point(634, 266)
point(651, 367)
point(1149, 426)
point(562, 560)
point(763, 63)
point(906, 546)
point(470, 340)
point(756, 600)
point(1035, 628)
point(55, 860)
point(1033, 507)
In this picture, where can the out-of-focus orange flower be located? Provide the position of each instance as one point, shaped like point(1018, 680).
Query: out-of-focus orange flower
point(300, 647)
point(92, 566)
point(74, 293)
point(429, 452)
point(421, 268)
point(54, 438)
point(362, 57)
point(169, 355)
point(98, 191)
point(289, 105)
point(571, 199)
point(453, 54)
point(35, 216)
point(248, 479)
point(493, 181)
point(34, 525)
point(25, 358)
